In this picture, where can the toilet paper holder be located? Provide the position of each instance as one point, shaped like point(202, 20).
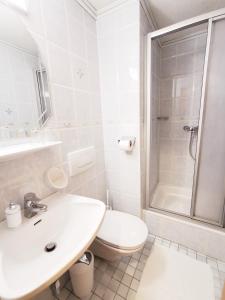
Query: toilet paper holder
point(126, 143)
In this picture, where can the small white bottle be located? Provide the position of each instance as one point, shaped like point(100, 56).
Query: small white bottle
point(13, 215)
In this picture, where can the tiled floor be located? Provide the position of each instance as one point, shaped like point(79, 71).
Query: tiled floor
point(120, 280)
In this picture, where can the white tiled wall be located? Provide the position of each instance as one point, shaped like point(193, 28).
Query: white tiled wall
point(177, 69)
point(119, 52)
point(67, 38)
point(180, 94)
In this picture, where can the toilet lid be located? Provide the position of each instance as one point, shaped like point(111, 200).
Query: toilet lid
point(122, 230)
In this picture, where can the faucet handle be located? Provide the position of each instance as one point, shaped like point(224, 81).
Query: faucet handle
point(31, 197)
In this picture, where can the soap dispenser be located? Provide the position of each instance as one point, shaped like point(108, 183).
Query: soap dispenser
point(13, 215)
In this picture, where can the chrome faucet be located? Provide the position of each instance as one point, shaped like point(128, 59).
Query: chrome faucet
point(32, 205)
point(191, 128)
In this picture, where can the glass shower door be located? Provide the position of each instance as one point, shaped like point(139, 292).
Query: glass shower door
point(208, 200)
point(177, 64)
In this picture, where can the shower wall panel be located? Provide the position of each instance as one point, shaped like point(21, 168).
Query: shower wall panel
point(154, 141)
point(211, 175)
point(181, 74)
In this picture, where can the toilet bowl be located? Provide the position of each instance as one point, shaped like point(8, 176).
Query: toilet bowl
point(121, 234)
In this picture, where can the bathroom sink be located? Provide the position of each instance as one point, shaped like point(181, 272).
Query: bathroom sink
point(26, 268)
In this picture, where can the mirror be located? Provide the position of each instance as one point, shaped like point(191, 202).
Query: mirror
point(24, 92)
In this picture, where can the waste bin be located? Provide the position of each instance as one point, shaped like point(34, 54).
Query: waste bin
point(82, 275)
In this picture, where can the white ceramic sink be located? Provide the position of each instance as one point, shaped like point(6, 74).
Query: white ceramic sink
point(25, 267)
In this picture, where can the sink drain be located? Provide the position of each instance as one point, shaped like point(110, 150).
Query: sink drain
point(50, 247)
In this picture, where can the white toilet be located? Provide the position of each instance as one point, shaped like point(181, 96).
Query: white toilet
point(120, 234)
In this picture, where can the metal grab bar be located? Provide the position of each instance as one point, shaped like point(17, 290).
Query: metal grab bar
point(163, 118)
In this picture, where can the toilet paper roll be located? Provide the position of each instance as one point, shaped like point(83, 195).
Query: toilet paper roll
point(125, 145)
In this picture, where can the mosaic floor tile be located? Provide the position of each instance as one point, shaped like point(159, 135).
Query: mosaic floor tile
point(120, 280)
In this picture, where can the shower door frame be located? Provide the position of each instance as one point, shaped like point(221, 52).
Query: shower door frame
point(205, 18)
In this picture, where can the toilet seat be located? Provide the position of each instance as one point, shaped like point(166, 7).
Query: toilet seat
point(123, 231)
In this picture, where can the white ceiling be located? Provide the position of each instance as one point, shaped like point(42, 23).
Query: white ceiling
point(167, 12)
point(98, 4)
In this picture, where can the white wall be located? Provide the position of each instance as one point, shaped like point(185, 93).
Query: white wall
point(66, 35)
point(67, 38)
point(119, 51)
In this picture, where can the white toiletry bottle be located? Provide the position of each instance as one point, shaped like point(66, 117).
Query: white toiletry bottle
point(13, 215)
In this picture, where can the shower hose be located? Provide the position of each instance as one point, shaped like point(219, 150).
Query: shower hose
point(191, 142)
point(194, 133)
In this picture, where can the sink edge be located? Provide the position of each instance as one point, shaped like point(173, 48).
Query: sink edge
point(60, 273)
point(65, 268)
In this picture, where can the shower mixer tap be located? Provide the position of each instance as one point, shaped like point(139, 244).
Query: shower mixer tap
point(191, 128)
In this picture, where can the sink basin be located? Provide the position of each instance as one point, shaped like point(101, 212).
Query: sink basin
point(26, 268)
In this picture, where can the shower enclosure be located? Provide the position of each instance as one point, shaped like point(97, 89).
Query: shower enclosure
point(185, 127)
